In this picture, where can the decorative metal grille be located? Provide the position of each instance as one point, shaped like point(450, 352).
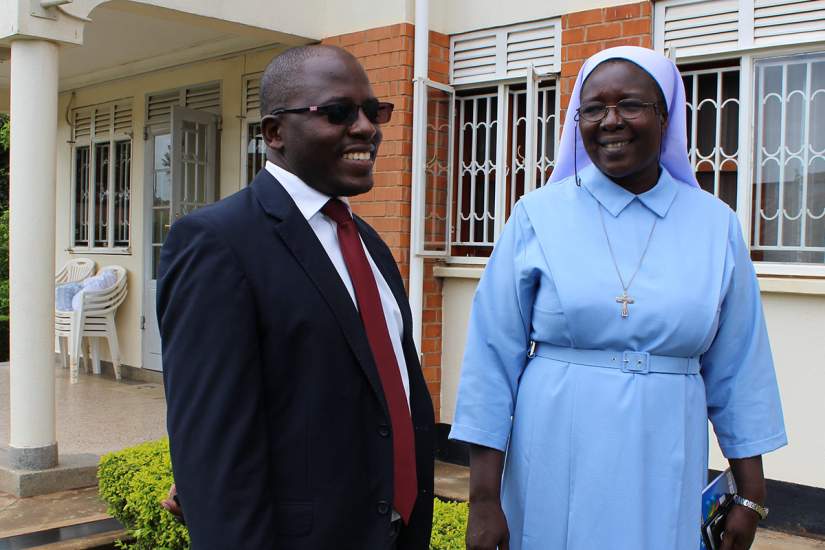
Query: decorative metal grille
point(437, 166)
point(102, 175)
point(123, 191)
point(479, 151)
point(789, 165)
point(713, 129)
point(101, 194)
point(477, 148)
point(255, 151)
point(81, 192)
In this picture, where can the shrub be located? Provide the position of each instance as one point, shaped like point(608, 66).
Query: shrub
point(134, 481)
point(449, 525)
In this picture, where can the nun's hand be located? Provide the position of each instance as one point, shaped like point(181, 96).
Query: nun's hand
point(740, 528)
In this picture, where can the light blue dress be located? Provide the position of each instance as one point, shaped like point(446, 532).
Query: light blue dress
point(599, 458)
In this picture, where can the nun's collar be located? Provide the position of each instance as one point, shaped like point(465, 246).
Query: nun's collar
point(614, 198)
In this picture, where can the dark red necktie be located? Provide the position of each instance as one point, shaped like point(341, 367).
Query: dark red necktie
point(372, 315)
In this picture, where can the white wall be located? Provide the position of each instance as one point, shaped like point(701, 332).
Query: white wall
point(455, 16)
point(229, 72)
point(795, 327)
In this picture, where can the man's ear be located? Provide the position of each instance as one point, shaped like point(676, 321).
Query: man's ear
point(271, 130)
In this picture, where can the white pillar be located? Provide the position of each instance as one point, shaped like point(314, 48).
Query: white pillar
point(32, 441)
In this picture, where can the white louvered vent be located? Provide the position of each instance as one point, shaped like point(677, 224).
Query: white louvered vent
point(788, 21)
point(123, 118)
point(708, 26)
point(505, 52)
point(82, 123)
point(473, 57)
point(159, 107)
point(204, 98)
point(103, 121)
point(685, 28)
point(252, 97)
point(532, 43)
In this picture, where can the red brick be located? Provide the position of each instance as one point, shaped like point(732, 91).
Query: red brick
point(332, 41)
point(405, 29)
point(376, 61)
point(391, 164)
point(432, 330)
point(440, 39)
point(393, 44)
point(352, 38)
point(604, 31)
point(647, 41)
point(571, 68)
point(380, 33)
point(429, 346)
point(581, 18)
point(626, 41)
point(364, 49)
point(572, 36)
point(617, 13)
point(581, 51)
point(636, 26)
point(371, 209)
point(647, 8)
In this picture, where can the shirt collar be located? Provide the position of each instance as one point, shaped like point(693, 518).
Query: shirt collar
point(614, 198)
point(308, 199)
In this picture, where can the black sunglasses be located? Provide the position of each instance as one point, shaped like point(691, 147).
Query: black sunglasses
point(346, 112)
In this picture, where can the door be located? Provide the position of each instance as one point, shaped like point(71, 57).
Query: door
point(180, 166)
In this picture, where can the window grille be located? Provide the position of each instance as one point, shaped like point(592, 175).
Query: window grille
point(102, 137)
point(713, 129)
point(789, 165)
point(483, 151)
point(253, 145)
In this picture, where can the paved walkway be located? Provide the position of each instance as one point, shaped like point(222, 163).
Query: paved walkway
point(98, 414)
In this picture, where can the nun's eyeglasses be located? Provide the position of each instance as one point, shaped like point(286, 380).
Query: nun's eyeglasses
point(346, 112)
point(628, 109)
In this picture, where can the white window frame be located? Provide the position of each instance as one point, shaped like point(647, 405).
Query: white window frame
point(747, 143)
point(112, 139)
point(533, 82)
point(252, 115)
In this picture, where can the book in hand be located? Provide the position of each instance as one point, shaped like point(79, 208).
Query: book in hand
point(717, 498)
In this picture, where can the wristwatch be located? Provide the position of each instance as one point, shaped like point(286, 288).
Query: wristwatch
point(758, 508)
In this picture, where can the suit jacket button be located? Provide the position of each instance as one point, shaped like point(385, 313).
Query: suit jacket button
point(383, 430)
point(383, 507)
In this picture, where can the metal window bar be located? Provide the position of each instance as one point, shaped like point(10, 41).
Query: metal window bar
point(806, 155)
point(123, 160)
point(255, 151)
point(81, 221)
point(718, 157)
point(101, 193)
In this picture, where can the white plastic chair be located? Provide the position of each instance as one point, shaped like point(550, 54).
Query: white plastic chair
point(95, 319)
point(73, 271)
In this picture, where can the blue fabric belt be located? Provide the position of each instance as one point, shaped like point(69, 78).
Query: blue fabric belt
point(638, 362)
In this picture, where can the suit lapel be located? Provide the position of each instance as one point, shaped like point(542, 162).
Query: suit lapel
point(299, 238)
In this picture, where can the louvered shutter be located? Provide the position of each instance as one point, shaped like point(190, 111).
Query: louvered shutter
point(694, 28)
point(203, 97)
point(686, 28)
point(252, 97)
point(82, 125)
point(122, 118)
point(778, 22)
point(488, 55)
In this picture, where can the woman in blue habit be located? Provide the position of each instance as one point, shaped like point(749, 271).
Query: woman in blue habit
point(619, 311)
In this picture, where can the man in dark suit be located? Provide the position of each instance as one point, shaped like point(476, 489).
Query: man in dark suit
point(298, 415)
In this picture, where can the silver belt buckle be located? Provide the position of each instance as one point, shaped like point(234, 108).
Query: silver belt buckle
point(531, 351)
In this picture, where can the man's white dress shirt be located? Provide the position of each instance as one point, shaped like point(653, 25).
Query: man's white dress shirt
point(310, 201)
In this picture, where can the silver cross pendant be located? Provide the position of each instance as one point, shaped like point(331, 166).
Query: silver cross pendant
point(625, 300)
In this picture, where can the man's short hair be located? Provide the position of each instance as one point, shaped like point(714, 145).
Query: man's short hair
point(281, 81)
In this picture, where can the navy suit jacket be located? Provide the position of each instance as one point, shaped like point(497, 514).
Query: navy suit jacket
point(278, 426)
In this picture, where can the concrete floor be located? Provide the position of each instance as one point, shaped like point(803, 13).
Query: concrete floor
point(98, 414)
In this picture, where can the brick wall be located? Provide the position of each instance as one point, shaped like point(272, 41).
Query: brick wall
point(387, 55)
point(585, 33)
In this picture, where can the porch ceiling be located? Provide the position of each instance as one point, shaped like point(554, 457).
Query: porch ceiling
point(124, 39)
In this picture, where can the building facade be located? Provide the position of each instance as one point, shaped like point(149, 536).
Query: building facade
point(153, 110)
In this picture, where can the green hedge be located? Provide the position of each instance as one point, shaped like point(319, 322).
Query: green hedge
point(134, 481)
